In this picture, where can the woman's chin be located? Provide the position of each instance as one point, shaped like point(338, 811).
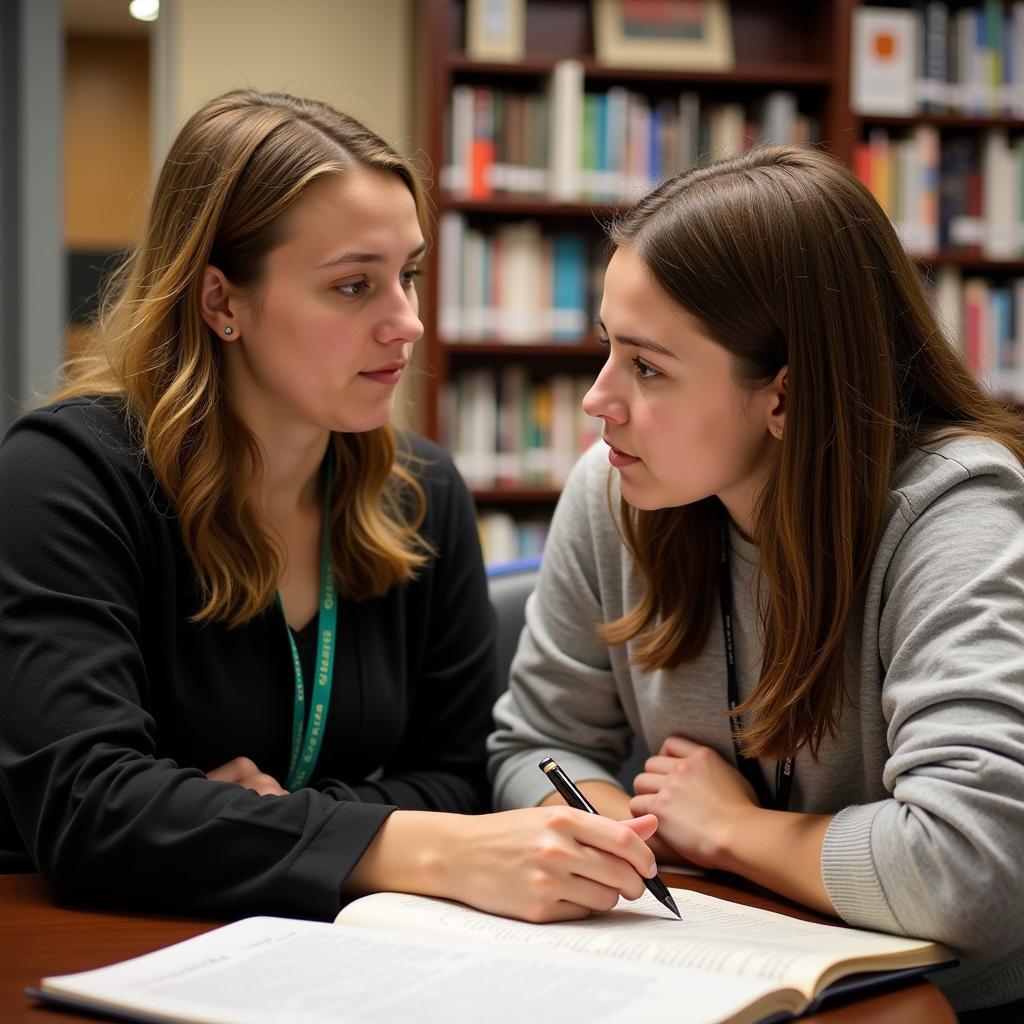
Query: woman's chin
point(651, 499)
point(360, 424)
point(639, 500)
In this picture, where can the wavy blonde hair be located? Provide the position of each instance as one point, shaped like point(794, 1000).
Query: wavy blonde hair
point(234, 171)
point(786, 259)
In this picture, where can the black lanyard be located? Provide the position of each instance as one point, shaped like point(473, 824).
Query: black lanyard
point(747, 766)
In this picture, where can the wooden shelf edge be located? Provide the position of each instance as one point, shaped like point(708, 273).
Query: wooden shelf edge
point(515, 495)
point(965, 121)
point(767, 73)
point(514, 350)
point(966, 261)
point(529, 206)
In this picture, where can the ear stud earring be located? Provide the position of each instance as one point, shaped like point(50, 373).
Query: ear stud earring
point(778, 433)
point(229, 330)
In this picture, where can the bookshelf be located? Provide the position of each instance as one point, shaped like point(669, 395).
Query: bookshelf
point(957, 161)
point(801, 48)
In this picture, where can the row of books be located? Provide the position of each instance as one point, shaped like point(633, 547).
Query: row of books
point(961, 193)
point(569, 144)
point(968, 60)
point(506, 538)
point(516, 282)
point(985, 318)
point(506, 428)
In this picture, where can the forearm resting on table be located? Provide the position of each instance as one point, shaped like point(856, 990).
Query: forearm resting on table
point(780, 850)
point(537, 864)
point(406, 855)
point(433, 853)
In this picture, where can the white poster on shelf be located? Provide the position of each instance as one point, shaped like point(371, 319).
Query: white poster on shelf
point(883, 61)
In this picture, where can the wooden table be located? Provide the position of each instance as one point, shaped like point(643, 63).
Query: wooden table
point(38, 939)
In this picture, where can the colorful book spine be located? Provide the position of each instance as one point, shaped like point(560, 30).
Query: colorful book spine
point(984, 319)
point(508, 428)
point(569, 313)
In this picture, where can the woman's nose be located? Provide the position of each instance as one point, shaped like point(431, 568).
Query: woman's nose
point(402, 323)
point(601, 402)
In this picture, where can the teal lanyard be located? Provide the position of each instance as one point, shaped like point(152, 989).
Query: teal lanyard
point(306, 749)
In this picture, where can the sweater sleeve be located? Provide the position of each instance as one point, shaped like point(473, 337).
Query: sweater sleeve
point(941, 860)
point(439, 764)
point(105, 819)
point(562, 699)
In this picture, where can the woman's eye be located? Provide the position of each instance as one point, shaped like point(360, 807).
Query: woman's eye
point(644, 371)
point(408, 276)
point(603, 339)
point(351, 287)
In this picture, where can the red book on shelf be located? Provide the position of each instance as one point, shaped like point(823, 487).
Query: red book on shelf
point(862, 163)
point(481, 150)
point(975, 323)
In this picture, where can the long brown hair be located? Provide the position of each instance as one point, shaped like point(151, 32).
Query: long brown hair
point(786, 259)
point(233, 172)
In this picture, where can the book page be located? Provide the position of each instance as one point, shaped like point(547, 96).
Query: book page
point(713, 935)
point(265, 970)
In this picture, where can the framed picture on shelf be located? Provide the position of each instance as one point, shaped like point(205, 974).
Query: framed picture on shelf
point(678, 35)
point(496, 30)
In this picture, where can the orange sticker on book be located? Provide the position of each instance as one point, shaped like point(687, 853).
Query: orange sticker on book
point(885, 45)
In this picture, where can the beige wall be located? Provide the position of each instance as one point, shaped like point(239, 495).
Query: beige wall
point(106, 140)
point(353, 54)
point(106, 147)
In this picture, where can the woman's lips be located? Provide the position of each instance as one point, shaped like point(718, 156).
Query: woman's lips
point(385, 375)
point(618, 458)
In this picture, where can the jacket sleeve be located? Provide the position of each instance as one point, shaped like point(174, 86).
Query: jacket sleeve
point(563, 697)
point(105, 819)
point(941, 859)
point(440, 763)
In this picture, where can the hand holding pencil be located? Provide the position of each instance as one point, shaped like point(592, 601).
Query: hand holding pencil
point(574, 798)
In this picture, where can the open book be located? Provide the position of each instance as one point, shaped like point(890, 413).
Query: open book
point(399, 958)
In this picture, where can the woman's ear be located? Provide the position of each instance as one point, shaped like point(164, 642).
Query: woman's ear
point(217, 303)
point(777, 403)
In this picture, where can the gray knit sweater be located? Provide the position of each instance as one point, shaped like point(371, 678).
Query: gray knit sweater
point(926, 777)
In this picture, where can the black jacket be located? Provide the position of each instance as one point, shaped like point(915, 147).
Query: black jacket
point(113, 703)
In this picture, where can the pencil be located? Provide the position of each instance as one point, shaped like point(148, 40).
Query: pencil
point(574, 798)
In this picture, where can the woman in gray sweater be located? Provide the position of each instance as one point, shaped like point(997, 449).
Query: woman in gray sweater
point(800, 579)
